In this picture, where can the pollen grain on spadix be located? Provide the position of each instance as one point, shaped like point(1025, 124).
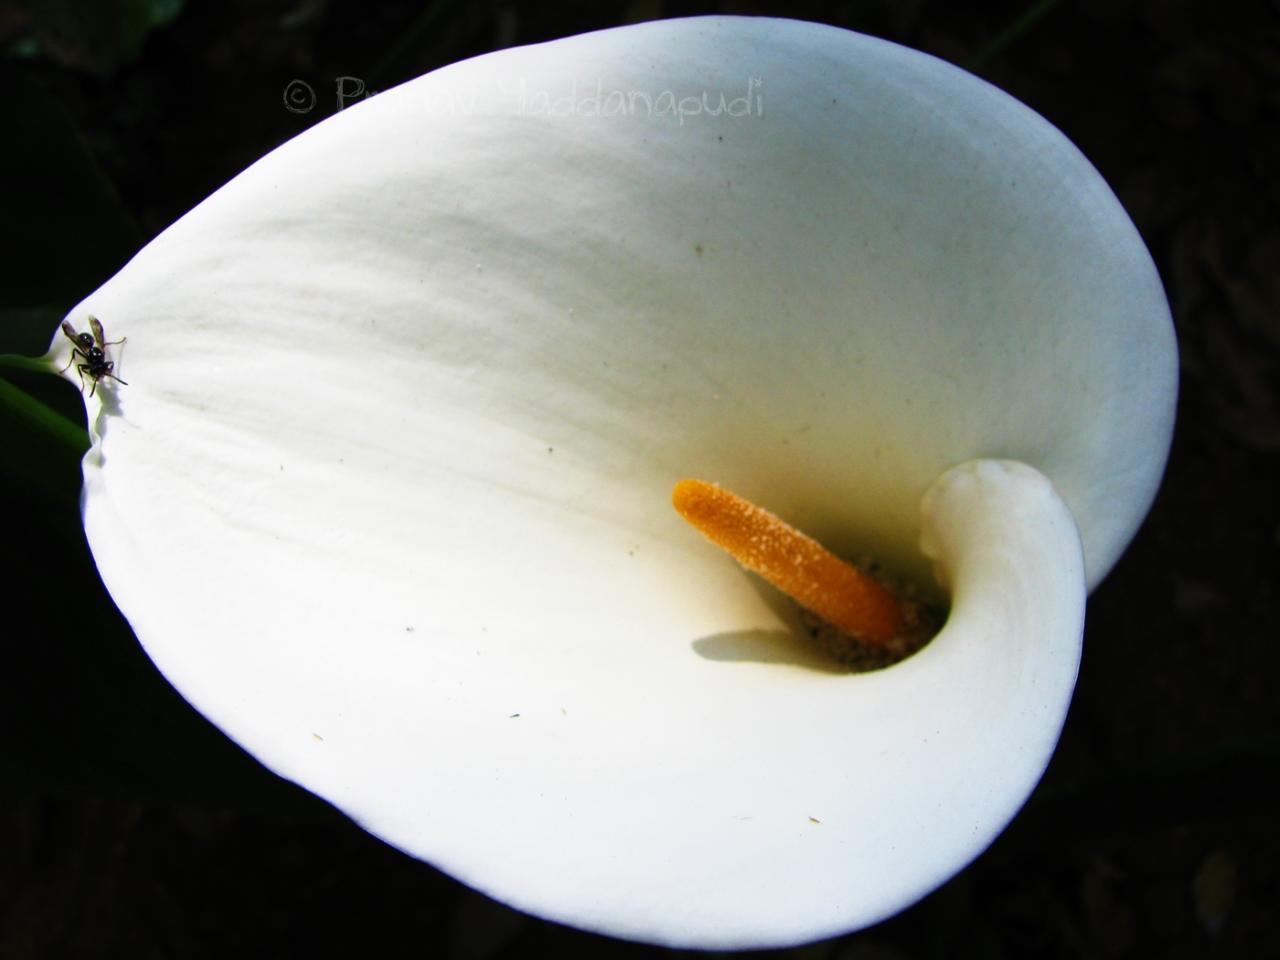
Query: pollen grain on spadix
point(799, 566)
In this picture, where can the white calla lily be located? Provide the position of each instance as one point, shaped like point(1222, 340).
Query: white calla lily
point(386, 496)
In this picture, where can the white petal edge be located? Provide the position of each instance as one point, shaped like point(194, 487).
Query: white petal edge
point(369, 381)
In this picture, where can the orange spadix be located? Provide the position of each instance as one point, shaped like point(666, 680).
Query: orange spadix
point(794, 563)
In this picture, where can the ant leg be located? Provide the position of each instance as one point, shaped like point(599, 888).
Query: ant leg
point(106, 372)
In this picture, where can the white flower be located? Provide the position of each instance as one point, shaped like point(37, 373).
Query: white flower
point(386, 496)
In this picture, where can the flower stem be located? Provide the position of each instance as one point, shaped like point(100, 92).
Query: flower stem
point(27, 407)
point(30, 364)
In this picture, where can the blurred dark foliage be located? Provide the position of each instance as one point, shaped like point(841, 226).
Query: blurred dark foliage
point(130, 827)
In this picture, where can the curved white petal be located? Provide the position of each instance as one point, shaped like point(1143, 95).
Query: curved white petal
point(386, 496)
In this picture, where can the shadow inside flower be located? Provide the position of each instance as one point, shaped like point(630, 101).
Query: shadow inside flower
point(766, 646)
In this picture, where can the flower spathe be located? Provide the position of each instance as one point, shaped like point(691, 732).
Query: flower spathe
point(407, 397)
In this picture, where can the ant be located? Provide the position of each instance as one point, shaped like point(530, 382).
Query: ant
point(93, 351)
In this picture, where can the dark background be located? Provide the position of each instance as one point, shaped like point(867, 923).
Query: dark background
point(131, 828)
